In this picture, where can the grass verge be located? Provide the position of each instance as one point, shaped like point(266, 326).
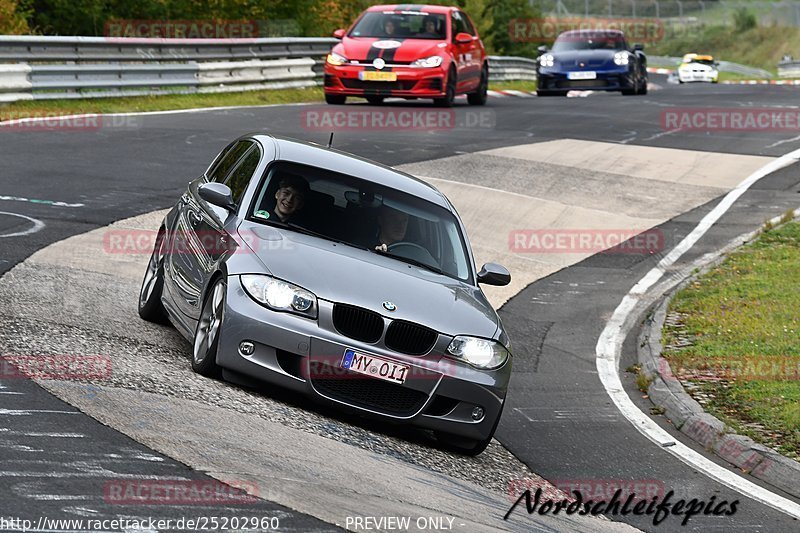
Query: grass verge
point(132, 104)
point(158, 103)
point(732, 338)
point(521, 85)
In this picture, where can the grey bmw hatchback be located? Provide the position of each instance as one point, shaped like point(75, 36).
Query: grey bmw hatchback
point(305, 267)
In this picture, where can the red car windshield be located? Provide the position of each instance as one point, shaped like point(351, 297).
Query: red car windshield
point(401, 25)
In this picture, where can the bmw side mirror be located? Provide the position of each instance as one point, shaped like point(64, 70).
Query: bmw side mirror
point(494, 274)
point(463, 38)
point(217, 194)
point(338, 33)
point(638, 47)
point(542, 49)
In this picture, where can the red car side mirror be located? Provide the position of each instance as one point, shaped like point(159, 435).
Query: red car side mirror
point(338, 33)
point(463, 38)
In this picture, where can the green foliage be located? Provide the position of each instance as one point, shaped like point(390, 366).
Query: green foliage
point(12, 18)
point(497, 36)
point(744, 19)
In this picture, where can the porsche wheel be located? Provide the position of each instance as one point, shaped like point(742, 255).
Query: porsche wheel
point(206, 336)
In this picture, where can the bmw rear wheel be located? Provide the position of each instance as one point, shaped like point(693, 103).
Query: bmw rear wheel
point(206, 336)
point(150, 306)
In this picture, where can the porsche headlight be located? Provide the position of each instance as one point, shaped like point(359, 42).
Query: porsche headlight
point(621, 58)
point(428, 62)
point(547, 60)
point(280, 295)
point(336, 59)
point(481, 353)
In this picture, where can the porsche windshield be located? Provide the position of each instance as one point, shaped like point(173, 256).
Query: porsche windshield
point(598, 40)
point(362, 214)
point(401, 25)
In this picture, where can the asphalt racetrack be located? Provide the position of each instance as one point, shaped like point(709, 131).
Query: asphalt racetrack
point(597, 163)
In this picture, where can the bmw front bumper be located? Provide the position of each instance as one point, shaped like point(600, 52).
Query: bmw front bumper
point(302, 354)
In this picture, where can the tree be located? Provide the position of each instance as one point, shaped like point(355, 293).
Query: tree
point(12, 18)
point(501, 13)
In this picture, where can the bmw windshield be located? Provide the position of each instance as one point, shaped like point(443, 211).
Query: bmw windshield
point(362, 214)
point(401, 25)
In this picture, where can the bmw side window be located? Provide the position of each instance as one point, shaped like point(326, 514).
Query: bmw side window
point(227, 162)
point(241, 175)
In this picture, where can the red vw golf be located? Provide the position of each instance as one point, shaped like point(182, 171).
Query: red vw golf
point(409, 51)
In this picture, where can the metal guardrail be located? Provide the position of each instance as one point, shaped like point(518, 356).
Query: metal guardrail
point(511, 68)
point(42, 68)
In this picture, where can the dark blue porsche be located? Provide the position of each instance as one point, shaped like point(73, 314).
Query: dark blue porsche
point(598, 60)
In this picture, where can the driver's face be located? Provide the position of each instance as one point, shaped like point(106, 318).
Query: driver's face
point(288, 201)
point(393, 224)
point(389, 27)
point(430, 27)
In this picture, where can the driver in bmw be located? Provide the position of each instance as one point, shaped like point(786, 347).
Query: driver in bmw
point(392, 227)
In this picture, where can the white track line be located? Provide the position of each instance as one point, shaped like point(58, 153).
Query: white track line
point(609, 346)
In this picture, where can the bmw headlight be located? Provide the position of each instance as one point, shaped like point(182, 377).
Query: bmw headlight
point(336, 59)
point(280, 295)
point(621, 58)
point(547, 60)
point(481, 353)
point(428, 62)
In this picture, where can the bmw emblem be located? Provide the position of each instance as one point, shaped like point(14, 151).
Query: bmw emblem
point(389, 306)
point(379, 63)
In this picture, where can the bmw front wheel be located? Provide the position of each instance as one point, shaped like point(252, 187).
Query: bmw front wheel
point(209, 327)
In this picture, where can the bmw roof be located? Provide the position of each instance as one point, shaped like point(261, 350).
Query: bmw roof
point(313, 154)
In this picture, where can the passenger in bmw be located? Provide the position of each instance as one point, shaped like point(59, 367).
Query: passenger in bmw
point(290, 197)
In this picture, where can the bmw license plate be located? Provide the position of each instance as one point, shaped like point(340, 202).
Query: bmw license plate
point(365, 75)
point(582, 75)
point(375, 367)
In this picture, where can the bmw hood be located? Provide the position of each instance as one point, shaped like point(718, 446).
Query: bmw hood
point(404, 50)
point(340, 273)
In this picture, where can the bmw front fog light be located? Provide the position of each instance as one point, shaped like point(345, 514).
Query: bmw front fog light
point(481, 353)
point(280, 295)
point(547, 60)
